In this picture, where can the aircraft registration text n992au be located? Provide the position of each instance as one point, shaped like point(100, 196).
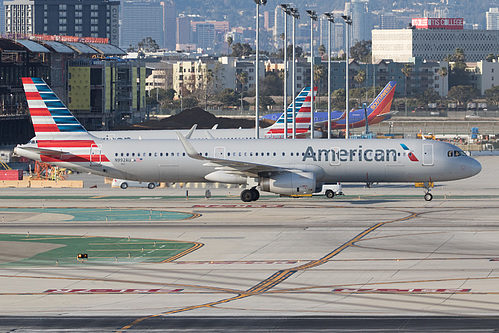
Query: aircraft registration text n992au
point(287, 167)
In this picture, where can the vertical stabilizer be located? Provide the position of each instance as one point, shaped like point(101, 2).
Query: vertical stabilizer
point(302, 119)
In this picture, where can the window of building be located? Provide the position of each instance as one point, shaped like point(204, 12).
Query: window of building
point(78, 7)
point(62, 7)
point(78, 14)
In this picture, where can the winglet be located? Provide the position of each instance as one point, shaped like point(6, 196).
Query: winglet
point(191, 131)
point(189, 149)
point(214, 127)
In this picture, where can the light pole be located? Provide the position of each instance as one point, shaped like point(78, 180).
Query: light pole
point(313, 17)
point(287, 12)
point(296, 15)
point(257, 67)
point(348, 21)
point(330, 18)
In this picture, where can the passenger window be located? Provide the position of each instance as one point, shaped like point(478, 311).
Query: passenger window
point(121, 154)
point(283, 154)
point(133, 154)
point(115, 154)
point(166, 154)
point(160, 154)
point(150, 154)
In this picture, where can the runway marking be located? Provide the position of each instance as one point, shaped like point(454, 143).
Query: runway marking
point(268, 262)
point(174, 285)
point(278, 276)
point(237, 206)
point(399, 291)
point(112, 291)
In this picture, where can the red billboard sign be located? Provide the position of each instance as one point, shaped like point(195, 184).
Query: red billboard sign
point(438, 23)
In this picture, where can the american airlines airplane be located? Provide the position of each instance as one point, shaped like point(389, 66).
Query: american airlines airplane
point(377, 111)
point(288, 167)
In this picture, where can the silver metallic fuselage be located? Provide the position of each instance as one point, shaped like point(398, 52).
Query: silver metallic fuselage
point(330, 160)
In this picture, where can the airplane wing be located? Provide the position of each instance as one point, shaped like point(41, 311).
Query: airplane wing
point(391, 113)
point(324, 122)
point(230, 166)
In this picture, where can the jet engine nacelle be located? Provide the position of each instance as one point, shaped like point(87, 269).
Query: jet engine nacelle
point(289, 183)
point(224, 177)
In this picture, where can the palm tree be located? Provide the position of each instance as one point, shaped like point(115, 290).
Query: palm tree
point(230, 40)
point(243, 79)
point(322, 50)
point(407, 70)
point(319, 74)
point(443, 72)
point(360, 78)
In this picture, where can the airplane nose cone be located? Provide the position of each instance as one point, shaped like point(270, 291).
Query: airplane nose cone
point(475, 167)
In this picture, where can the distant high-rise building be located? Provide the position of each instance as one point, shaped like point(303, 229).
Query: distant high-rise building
point(361, 20)
point(91, 18)
point(268, 20)
point(388, 21)
point(169, 24)
point(278, 24)
point(2, 18)
point(184, 30)
point(205, 33)
point(492, 17)
point(433, 44)
point(135, 15)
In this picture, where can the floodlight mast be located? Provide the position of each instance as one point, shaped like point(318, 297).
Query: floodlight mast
point(313, 17)
point(348, 21)
point(286, 9)
point(296, 15)
point(257, 68)
point(330, 18)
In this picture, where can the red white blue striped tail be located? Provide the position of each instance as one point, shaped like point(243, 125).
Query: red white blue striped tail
point(303, 104)
point(51, 118)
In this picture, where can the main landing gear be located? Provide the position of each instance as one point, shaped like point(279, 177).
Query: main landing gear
point(250, 195)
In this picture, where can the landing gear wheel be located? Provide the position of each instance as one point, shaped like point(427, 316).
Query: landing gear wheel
point(428, 196)
point(246, 196)
point(151, 186)
point(124, 186)
point(255, 193)
point(329, 194)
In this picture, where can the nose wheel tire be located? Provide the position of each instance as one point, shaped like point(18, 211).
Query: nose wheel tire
point(428, 196)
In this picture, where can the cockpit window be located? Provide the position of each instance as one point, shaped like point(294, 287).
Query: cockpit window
point(455, 153)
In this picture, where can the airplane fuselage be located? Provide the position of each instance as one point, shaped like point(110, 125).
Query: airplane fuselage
point(329, 160)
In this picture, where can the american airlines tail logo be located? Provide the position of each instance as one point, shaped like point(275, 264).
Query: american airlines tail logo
point(411, 155)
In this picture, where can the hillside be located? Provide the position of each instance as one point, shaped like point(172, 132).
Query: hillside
point(242, 11)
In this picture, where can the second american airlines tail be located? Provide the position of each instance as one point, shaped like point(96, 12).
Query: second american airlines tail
point(286, 167)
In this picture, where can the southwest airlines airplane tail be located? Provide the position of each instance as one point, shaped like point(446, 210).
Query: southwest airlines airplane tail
point(287, 167)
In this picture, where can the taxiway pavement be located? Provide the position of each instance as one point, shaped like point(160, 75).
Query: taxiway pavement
point(379, 253)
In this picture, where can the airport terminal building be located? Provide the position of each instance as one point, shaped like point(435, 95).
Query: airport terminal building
point(433, 39)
